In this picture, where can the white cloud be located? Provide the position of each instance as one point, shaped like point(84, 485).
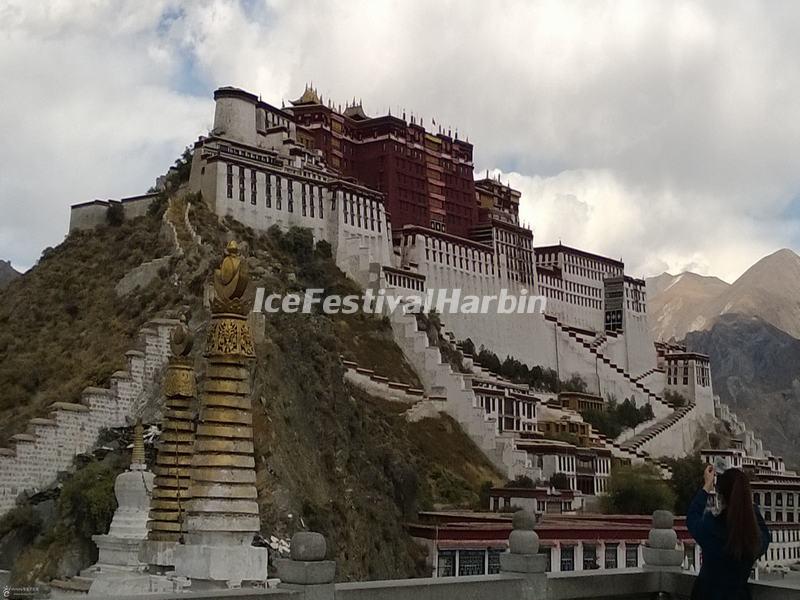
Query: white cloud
point(662, 132)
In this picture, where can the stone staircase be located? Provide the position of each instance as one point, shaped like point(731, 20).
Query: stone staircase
point(599, 341)
point(579, 338)
point(49, 444)
point(633, 455)
point(453, 394)
point(657, 428)
point(647, 373)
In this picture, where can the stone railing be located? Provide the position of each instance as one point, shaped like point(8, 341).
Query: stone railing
point(306, 575)
point(629, 584)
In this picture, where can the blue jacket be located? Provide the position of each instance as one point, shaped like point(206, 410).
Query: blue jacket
point(721, 577)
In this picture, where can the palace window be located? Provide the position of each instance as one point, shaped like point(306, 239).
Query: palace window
point(494, 562)
point(311, 200)
point(567, 558)
point(279, 190)
point(631, 555)
point(590, 557)
point(447, 563)
point(471, 562)
point(303, 198)
point(230, 181)
point(321, 204)
point(253, 186)
point(268, 191)
point(290, 198)
point(241, 184)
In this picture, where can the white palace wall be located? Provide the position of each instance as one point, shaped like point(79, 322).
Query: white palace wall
point(256, 188)
point(523, 336)
point(50, 444)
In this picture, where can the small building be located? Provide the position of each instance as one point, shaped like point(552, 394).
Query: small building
point(468, 543)
point(580, 401)
point(536, 500)
point(689, 374)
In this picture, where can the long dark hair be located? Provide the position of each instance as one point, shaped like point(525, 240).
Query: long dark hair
point(744, 537)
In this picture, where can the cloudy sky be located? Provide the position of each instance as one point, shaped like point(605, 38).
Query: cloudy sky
point(667, 134)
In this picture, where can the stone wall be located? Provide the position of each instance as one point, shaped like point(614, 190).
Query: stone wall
point(50, 444)
point(89, 215)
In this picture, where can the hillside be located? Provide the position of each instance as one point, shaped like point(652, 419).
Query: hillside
point(7, 273)
point(62, 325)
point(770, 290)
point(756, 370)
point(328, 457)
point(675, 303)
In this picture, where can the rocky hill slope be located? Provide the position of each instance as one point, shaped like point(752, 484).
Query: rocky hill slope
point(7, 273)
point(770, 290)
point(756, 369)
point(328, 457)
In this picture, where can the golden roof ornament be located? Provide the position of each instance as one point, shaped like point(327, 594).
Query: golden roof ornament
point(181, 340)
point(229, 333)
point(230, 283)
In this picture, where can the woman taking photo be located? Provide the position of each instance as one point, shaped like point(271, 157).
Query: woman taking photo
point(731, 541)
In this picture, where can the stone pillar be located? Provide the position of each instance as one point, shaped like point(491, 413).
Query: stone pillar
point(661, 550)
point(174, 454)
point(523, 556)
point(222, 514)
point(307, 571)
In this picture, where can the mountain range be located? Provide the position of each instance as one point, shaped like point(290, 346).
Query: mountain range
point(770, 290)
point(751, 331)
point(7, 273)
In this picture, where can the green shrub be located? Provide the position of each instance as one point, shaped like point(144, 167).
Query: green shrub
point(560, 481)
point(687, 476)
point(87, 499)
point(637, 490)
point(675, 398)
point(521, 481)
point(22, 518)
point(115, 214)
point(616, 417)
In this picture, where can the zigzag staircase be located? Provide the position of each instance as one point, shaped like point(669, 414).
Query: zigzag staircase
point(578, 337)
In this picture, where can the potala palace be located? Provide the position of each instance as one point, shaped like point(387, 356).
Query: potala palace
point(403, 212)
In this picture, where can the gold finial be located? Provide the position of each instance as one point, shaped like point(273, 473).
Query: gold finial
point(230, 282)
point(229, 333)
point(137, 456)
point(181, 340)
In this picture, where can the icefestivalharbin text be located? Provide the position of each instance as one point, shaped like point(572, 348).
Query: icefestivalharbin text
point(444, 301)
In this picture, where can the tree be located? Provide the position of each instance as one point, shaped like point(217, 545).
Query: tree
point(468, 347)
point(560, 481)
point(115, 214)
point(521, 481)
point(687, 476)
point(574, 384)
point(637, 490)
point(676, 399)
